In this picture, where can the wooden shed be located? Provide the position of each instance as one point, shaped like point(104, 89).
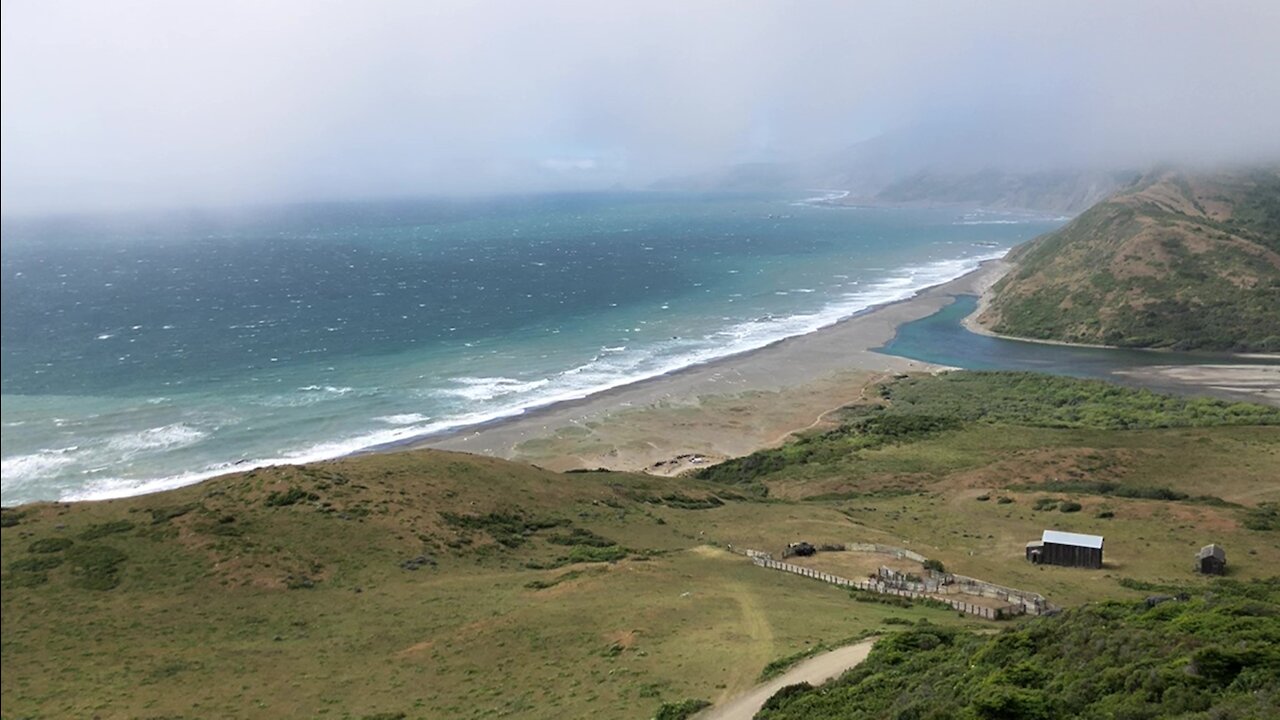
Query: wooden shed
point(1056, 547)
point(1211, 560)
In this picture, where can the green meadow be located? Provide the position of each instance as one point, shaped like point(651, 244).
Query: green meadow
point(432, 584)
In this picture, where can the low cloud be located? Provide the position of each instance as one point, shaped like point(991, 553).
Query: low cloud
point(149, 103)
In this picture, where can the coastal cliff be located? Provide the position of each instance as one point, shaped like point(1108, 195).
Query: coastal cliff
point(1178, 260)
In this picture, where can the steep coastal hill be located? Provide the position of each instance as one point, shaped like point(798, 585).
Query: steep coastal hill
point(1179, 260)
point(433, 584)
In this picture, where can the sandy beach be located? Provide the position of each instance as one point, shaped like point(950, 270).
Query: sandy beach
point(721, 409)
point(731, 407)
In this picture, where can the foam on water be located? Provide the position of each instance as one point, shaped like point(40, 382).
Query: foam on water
point(499, 398)
point(19, 469)
point(404, 419)
point(158, 438)
point(479, 389)
point(378, 333)
point(307, 395)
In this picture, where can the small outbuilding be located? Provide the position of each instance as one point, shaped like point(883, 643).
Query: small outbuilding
point(801, 549)
point(1211, 560)
point(1056, 547)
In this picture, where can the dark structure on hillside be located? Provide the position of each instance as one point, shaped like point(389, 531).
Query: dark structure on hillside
point(800, 549)
point(1211, 560)
point(1064, 548)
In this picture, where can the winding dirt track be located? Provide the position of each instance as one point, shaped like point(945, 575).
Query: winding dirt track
point(815, 670)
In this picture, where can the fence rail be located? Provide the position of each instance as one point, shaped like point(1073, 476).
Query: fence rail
point(1018, 602)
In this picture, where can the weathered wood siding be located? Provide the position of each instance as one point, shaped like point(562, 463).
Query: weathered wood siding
point(1071, 555)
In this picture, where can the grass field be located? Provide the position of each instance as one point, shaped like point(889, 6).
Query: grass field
point(444, 585)
point(239, 607)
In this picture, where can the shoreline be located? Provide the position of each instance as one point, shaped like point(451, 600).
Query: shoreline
point(846, 346)
point(736, 404)
point(808, 358)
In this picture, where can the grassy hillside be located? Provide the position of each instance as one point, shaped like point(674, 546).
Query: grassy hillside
point(1182, 261)
point(1215, 654)
point(435, 584)
point(429, 584)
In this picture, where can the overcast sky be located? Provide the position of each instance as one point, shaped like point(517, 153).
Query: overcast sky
point(122, 103)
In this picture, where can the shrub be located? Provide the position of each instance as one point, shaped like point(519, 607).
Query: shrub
point(101, 530)
point(10, 517)
point(680, 710)
point(162, 515)
point(25, 578)
point(292, 496)
point(95, 567)
point(779, 698)
point(934, 565)
point(35, 564)
point(581, 536)
point(562, 577)
point(1210, 656)
point(1070, 506)
point(588, 554)
point(684, 502)
point(507, 528)
point(1264, 517)
point(49, 545)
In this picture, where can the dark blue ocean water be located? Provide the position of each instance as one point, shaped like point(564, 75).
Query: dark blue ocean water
point(147, 351)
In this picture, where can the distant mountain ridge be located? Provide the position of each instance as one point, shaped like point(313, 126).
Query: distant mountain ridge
point(920, 166)
point(1061, 191)
point(1181, 260)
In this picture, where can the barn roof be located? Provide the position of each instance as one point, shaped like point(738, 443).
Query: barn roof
point(1215, 551)
point(1069, 538)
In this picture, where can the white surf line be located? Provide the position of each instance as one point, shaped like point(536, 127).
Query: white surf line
point(815, 671)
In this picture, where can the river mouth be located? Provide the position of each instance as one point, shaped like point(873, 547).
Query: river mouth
point(943, 339)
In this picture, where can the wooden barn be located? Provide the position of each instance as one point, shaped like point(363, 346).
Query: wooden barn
point(1211, 560)
point(1065, 548)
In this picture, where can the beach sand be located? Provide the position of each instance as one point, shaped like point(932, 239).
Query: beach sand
point(733, 406)
point(1259, 383)
point(721, 409)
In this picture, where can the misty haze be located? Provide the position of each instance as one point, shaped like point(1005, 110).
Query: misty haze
point(142, 104)
point(715, 360)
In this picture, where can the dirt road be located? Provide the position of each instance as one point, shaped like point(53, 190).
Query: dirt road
point(815, 670)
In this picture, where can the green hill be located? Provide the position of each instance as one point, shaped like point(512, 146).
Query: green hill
point(431, 584)
point(1213, 654)
point(1180, 260)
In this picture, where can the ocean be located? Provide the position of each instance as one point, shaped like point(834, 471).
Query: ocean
point(148, 351)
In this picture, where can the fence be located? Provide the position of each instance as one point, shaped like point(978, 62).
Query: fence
point(1032, 603)
point(900, 553)
point(952, 584)
point(878, 586)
